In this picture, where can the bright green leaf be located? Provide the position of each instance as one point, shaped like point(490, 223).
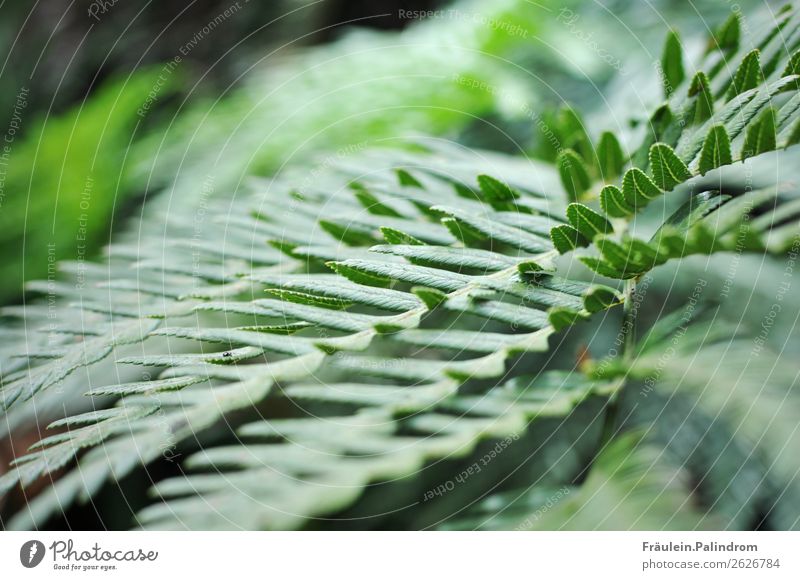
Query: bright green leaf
point(668, 170)
point(716, 150)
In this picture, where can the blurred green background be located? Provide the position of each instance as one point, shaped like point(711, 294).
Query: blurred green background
point(106, 103)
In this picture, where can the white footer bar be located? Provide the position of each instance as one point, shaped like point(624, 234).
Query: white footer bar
point(400, 555)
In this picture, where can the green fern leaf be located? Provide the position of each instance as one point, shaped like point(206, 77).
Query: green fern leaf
point(703, 107)
point(599, 298)
point(587, 221)
point(561, 317)
point(793, 66)
point(672, 63)
point(638, 189)
point(566, 238)
point(373, 205)
point(393, 236)
point(668, 169)
point(716, 150)
point(495, 191)
point(790, 136)
point(727, 37)
point(748, 75)
point(612, 200)
point(574, 136)
point(610, 157)
point(603, 268)
point(574, 174)
point(760, 137)
point(406, 179)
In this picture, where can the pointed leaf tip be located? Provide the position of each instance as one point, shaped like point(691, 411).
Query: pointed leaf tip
point(716, 150)
point(748, 75)
point(613, 202)
point(495, 190)
point(610, 156)
point(574, 174)
point(587, 221)
point(672, 63)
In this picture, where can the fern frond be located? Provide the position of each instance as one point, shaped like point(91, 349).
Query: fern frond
point(709, 121)
point(709, 222)
point(282, 326)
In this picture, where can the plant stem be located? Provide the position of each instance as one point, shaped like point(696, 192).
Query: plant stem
point(630, 312)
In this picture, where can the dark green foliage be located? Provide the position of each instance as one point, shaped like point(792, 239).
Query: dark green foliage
point(703, 101)
point(574, 174)
point(672, 63)
point(668, 169)
point(610, 157)
point(716, 150)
